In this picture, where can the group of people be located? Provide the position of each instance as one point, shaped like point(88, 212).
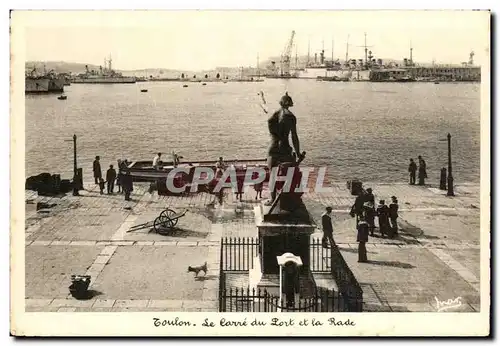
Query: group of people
point(124, 182)
point(365, 212)
point(422, 171)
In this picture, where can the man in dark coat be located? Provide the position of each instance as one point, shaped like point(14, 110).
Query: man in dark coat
point(383, 217)
point(97, 169)
point(326, 222)
point(110, 178)
point(369, 214)
point(127, 185)
point(369, 197)
point(357, 207)
point(422, 171)
point(393, 215)
point(362, 239)
point(412, 169)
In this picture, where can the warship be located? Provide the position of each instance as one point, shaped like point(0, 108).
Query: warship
point(105, 75)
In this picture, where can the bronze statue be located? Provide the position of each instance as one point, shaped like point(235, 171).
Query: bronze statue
point(281, 124)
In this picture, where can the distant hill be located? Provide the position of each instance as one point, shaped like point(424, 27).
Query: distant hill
point(60, 66)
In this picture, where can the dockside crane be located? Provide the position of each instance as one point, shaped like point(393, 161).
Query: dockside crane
point(286, 56)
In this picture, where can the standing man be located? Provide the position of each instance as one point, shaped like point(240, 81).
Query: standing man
point(326, 222)
point(369, 214)
point(97, 169)
point(362, 239)
point(412, 168)
point(383, 218)
point(156, 161)
point(127, 185)
point(422, 171)
point(369, 197)
point(357, 207)
point(281, 125)
point(110, 178)
point(393, 215)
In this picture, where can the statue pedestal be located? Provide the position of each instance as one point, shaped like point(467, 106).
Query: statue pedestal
point(279, 234)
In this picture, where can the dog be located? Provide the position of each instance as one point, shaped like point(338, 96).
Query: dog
point(198, 269)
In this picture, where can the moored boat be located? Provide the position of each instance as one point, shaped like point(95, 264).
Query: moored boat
point(144, 170)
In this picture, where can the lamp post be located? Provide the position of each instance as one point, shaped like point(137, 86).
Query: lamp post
point(75, 168)
point(450, 175)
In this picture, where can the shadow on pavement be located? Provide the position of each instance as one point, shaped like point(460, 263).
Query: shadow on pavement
point(206, 278)
point(396, 264)
point(181, 233)
point(414, 231)
point(355, 250)
point(88, 295)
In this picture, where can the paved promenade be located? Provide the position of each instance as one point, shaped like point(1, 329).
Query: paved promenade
point(436, 255)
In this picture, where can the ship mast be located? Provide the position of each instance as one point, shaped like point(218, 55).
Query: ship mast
point(308, 51)
point(347, 50)
point(332, 50)
point(258, 70)
point(366, 51)
point(411, 54)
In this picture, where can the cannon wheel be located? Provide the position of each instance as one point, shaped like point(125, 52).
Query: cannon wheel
point(157, 225)
point(168, 216)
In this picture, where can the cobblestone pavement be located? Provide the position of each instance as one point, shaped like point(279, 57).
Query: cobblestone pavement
point(435, 256)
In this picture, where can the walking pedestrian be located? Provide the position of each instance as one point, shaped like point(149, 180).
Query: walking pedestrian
point(383, 217)
point(110, 178)
point(326, 223)
point(362, 239)
point(97, 169)
point(422, 171)
point(412, 168)
point(393, 215)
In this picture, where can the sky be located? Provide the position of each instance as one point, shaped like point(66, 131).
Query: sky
point(194, 40)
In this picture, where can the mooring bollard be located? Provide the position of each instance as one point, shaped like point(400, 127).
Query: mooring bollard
point(442, 181)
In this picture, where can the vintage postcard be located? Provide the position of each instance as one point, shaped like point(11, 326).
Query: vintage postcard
point(201, 173)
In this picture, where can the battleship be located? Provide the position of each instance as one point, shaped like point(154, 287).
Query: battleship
point(105, 75)
point(369, 68)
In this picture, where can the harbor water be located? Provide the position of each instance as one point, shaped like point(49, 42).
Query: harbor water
point(358, 130)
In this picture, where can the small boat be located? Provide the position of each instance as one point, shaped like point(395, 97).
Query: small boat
point(185, 86)
point(204, 84)
point(144, 171)
point(62, 97)
point(144, 90)
point(436, 82)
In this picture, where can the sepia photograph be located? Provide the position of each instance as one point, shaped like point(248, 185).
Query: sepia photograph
point(250, 172)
